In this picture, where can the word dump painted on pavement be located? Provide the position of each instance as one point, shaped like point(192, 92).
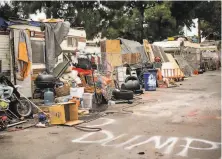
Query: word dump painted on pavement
point(130, 143)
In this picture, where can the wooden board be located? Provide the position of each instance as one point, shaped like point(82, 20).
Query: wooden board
point(148, 50)
point(75, 122)
point(103, 46)
point(113, 46)
point(83, 112)
point(178, 71)
point(131, 58)
point(114, 59)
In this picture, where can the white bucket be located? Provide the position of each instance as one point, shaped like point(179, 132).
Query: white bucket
point(77, 92)
point(87, 100)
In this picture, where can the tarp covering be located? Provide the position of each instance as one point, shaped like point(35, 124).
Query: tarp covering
point(143, 55)
point(130, 46)
point(187, 70)
point(54, 35)
point(3, 23)
point(210, 54)
point(193, 60)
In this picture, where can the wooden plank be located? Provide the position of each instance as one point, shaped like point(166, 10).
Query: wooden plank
point(114, 59)
point(126, 58)
point(83, 112)
point(148, 50)
point(75, 122)
point(133, 58)
point(103, 46)
point(74, 109)
point(113, 46)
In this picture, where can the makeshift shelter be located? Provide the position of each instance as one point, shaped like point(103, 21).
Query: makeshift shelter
point(153, 51)
point(133, 52)
point(121, 50)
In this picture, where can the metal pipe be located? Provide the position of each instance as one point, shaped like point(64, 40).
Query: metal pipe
point(10, 125)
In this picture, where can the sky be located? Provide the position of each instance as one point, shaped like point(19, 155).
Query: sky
point(37, 16)
point(193, 31)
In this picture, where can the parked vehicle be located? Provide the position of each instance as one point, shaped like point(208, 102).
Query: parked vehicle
point(11, 100)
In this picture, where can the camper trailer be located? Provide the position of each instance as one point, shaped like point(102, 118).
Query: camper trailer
point(76, 39)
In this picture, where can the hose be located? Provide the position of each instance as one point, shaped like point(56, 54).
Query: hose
point(89, 129)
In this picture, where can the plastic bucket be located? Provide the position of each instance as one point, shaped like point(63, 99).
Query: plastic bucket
point(77, 92)
point(87, 100)
point(150, 80)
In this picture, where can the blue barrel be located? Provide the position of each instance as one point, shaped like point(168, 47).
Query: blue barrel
point(150, 80)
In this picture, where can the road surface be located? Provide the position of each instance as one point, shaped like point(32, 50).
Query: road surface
point(173, 123)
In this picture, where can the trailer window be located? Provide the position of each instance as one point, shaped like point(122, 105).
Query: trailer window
point(38, 51)
point(71, 42)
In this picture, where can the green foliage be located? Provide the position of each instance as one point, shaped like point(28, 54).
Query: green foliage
point(210, 17)
point(135, 20)
point(160, 22)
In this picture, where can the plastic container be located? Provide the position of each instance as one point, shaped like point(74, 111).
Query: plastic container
point(77, 92)
point(87, 100)
point(49, 97)
point(150, 80)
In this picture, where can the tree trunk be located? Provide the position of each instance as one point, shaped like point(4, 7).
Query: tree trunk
point(142, 28)
point(159, 28)
point(199, 35)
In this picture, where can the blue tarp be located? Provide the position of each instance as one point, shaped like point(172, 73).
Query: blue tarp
point(3, 23)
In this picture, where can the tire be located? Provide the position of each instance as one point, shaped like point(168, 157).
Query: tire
point(21, 111)
point(131, 85)
point(133, 78)
point(123, 94)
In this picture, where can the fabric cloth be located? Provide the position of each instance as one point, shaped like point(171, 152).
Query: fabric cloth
point(24, 56)
point(54, 35)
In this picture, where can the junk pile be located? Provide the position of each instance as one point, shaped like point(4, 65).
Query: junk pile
point(13, 108)
point(80, 82)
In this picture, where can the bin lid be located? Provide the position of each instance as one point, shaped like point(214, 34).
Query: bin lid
point(152, 70)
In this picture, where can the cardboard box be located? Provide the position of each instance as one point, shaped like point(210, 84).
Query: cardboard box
point(62, 113)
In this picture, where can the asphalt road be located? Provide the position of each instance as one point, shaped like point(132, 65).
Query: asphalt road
point(173, 123)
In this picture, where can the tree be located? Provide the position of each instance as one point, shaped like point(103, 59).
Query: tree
point(135, 20)
point(209, 14)
point(7, 10)
point(141, 7)
point(182, 11)
point(160, 22)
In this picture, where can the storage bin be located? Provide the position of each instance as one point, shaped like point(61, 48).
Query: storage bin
point(150, 80)
point(87, 100)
